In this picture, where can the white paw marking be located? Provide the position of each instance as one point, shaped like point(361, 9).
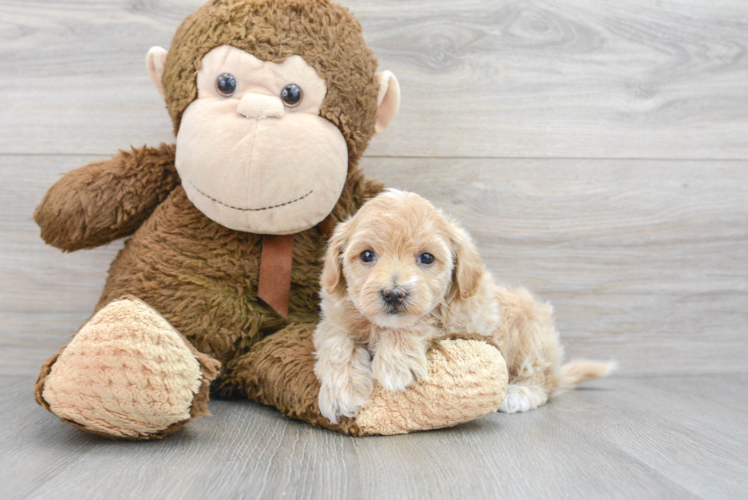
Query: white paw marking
point(396, 373)
point(515, 402)
point(328, 406)
point(396, 380)
point(346, 400)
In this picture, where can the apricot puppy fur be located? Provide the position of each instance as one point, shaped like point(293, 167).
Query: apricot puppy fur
point(400, 274)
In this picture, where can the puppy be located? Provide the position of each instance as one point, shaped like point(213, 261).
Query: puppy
point(400, 274)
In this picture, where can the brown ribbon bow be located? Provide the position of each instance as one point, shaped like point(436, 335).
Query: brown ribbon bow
point(276, 260)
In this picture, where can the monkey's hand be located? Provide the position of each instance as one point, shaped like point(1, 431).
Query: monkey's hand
point(106, 200)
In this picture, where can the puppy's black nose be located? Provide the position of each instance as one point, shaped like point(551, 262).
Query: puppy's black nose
point(394, 296)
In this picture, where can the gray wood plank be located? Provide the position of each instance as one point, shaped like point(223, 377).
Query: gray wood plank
point(692, 431)
point(494, 78)
point(644, 261)
point(618, 438)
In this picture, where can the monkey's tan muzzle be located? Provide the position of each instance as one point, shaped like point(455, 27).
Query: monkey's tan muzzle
point(259, 106)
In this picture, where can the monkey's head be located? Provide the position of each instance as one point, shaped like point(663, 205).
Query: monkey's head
point(273, 102)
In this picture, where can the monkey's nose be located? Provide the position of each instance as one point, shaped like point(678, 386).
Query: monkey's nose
point(260, 107)
point(394, 296)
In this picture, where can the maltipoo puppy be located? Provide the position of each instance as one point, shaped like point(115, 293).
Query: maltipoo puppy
point(400, 274)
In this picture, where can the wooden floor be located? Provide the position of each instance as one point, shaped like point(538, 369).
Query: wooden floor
point(596, 150)
point(669, 437)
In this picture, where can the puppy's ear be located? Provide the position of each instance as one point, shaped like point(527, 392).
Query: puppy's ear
point(332, 272)
point(468, 266)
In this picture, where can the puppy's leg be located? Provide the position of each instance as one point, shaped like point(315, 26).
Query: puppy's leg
point(400, 359)
point(521, 398)
point(530, 345)
point(344, 371)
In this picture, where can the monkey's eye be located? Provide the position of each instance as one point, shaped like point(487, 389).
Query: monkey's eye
point(226, 84)
point(367, 256)
point(426, 259)
point(291, 95)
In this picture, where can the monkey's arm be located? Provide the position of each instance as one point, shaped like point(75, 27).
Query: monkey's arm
point(106, 200)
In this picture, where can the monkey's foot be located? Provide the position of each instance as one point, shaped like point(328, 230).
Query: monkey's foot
point(127, 374)
point(466, 380)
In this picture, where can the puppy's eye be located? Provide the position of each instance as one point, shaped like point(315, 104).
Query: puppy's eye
point(367, 256)
point(426, 259)
point(226, 84)
point(291, 95)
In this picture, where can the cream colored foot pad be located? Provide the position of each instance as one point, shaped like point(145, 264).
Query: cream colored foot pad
point(127, 373)
point(466, 380)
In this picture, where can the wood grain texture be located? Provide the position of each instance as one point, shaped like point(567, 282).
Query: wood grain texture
point(639, 238)
point(497, 78)
point(645, 261)
point(619, 438)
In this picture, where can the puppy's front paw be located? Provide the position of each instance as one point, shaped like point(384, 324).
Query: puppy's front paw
point(397, 370)
point(328, 404)
point(345, 398)
point(395, 378)
point(516, 401)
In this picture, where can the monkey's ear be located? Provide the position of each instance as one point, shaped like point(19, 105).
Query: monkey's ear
point(388, 101)
point(332, 272)
point(155, 61)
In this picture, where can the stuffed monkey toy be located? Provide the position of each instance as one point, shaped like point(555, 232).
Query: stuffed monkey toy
point(216, 291)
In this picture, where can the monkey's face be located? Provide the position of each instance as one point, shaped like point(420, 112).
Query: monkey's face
point(253, 152)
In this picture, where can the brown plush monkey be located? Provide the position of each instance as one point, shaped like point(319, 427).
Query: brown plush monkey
point(273, 103)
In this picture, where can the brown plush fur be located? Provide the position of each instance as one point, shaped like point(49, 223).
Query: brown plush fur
point(106, 200)
point(202, 277)
point(279, 371)
point(199, 275)
point(325, 34)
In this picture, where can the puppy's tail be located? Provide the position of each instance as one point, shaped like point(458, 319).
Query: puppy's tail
point(582, 370)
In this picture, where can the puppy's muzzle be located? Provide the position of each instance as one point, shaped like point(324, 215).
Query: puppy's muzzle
point(394, 297)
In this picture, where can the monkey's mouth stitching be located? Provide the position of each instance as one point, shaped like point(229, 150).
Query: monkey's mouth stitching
point(251, 209)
